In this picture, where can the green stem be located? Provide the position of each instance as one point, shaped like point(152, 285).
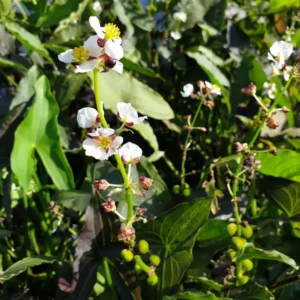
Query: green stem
point(117, 156)
point(253, 205)
point(108, 276)
point(186, 143)
point(143, 266)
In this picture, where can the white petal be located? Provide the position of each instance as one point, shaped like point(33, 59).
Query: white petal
point(123, 109)
point(67, 56)
point(86, 66)
point(105, 132)
point(208, 84)
point(117, 142)
point(141, 119)
point(176, 35)
point(113, 49)
point(130, 151)
point(180, 16)
point(92, 45)
point(95, 24)
point(86, 117)
point(90, 145)
point(275, 49)
point(188, 90)
point(118, 67)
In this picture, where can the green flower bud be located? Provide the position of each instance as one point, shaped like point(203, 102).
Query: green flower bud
point(155, 260)
point(238, 242)
point(247, 264)
point(152, 279)
point(232, 229)
point(176, 189)
point(138, 269)
point(243, 280)
point(247, 231)
point(231, 254)
point(143, 246)
point(186, 192)
point(127, 255)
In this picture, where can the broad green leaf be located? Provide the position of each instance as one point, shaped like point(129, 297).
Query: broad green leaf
point(146, 131)
point(285, 193)
point(285, 164)
point(5, 7)
point(251, 252)
point(172, 236)
point(115, 88)
point(194, 296)
point(26, 87)
point(212, 71)
point(39, 131)
point(73, 199)
point(28, 40)
point(5, 63)
point(279, 5)
point(251, 292)
point(22, 265)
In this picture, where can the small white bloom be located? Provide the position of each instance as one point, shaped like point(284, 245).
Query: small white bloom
point(214, 89)
point(128, 115)
point(87, 117)
point(176, 35)
point(130, 153)
point(234, 12)
point(181, 16)
point(279, 53)
point(103, 143)
point(114, 49)
point(270, 89)
point(97, 7)
point(287, 72)
point(188, 90)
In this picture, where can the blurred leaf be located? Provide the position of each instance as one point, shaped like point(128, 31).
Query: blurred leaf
point(208, 282)
point(251, 292)
point(251, 252)
point(193, 296)
point(28, 40)
point(5, 63)
point(4, 233)
point(26, 87)
point(146, 131)
point(212, 71)
point(279, 5)
point(57, 11)
point(72, 199)
point(172, 236)
point(285, 164)
point(41, 132)
point(22, 265)
point(115, 88)
point(5, 7)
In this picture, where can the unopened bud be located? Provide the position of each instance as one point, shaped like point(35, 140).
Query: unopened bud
point(143, 246)
point(145, 182)
point(126, 234)
point(140, 211)
point(209, 103)
point(250, 90)
point(127, 255)
point(109, 206)
point(240, 147)
point(201, 84)
point(274, 151)
point(155, 260)
point(100, 185)
point(285, 109)
point(152, 279)
point(272, 124)
point(110, 63)
point(101, 42)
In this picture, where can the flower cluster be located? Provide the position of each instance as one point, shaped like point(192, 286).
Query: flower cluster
point(102, 51)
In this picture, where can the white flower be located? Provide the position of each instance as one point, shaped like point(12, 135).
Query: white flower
point(97, 7)
point(84, 57)
point(270, 89)
point(234, 12)
point(287, 72)
point(176, 35)
point(128, 115)
point(130, 153)
point(213, 88)
point(279, 53)
point(88, 117)
point(188, 90)
point(181, 16)
point(103, 143)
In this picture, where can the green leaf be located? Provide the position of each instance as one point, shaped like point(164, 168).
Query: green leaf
point(252, 292)
point(28, 40)
point(251, 252)
point(5, 7)
point(284, 192)
point(115, 88)
point(26, 87)
point(285, 164)
point(213, 72)
point(279, 5)
point(146, 131)
point(208, 282)
point(22, 265)
point(193, 296)
point(39, 131)
point(5, 63)
point(172, 236)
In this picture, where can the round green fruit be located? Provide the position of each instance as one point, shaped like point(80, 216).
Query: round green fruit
point(155, 260)
point(176, 189)
point(243, 280)
point(143, 246)
point(247, 264)
point(232, 229)
point(152, 279)
point(231, 254)
point(127, 255)
point(238, 242)
point(247, 231)
point(186, 192)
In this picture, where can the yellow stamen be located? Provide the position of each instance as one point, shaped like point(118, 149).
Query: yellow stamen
point(104, 142)
point(80, 54)
point(111, 31)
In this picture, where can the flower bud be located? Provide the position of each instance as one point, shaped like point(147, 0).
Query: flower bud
point(247, 264)
point(176, 189)
point(238, 242)
point(110, 63)
point(272, 124)
point(127, 255)
point(143, 247)
point(247, 231)
point(138, 269)
point(155, 260)
point(101, 42)
point(209, 103)
point(109, 206)
point(250, 90)
point(145, 182)
point(274, 151)
point(231, 254)
point(285, 109)
point(139, 211)
point(100, 185)
point(126, 234)
point(152, 279)
point(243, 280)
point(186, 192)
point(232, 229)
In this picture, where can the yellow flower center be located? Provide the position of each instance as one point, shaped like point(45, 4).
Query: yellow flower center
point(80, 54)
point(104, 142)
point(111, 31)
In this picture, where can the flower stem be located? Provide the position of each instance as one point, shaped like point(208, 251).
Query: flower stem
point(117, 156)
point(143, 266)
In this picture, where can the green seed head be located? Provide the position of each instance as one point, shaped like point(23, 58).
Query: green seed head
point(231, 254)
point(143, 247)
point(186, 192)
point(232, 229)
point(155, 260)
point(176, 189)
point(127, 255)
point(152, 279)
point(243, 280)
point(247, 264)
point(238, 242)
point(247, 231)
